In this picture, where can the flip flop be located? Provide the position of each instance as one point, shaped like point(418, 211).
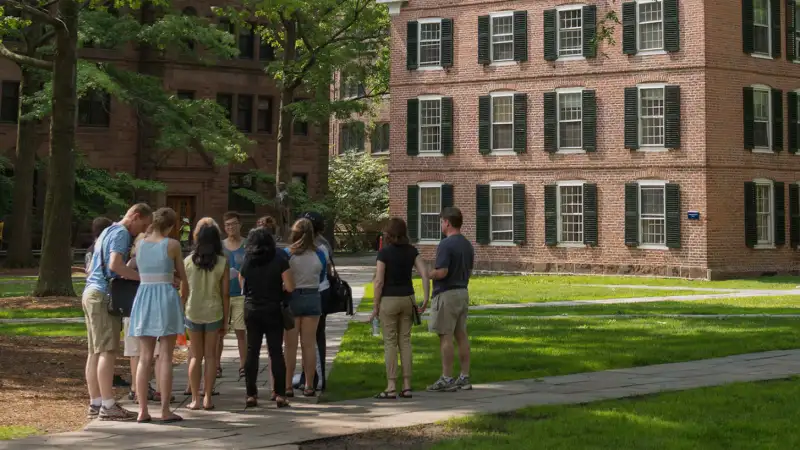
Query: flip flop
point(193, 408)
point(406, 393)
point(209, 408)
point(147, 419)
point(386, 395)
point(173, 419)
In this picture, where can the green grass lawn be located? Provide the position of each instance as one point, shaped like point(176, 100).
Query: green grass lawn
point(24, 288)
point(16, 432)
point(20, 313)
point(43, 329)
point(741, 416)
point(776, 282)
point(507, 290)
point(786, 304)
point(510, 349)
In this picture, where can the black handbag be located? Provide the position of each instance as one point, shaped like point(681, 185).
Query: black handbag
point(415, 318)
point(121, 291)
point(341, 295)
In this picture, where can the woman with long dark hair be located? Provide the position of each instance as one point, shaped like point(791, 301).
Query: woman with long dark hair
point(207, 304)
point(267, 279)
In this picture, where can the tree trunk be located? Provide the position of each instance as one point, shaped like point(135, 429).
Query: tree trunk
point(55, 277)
point(283, 171)
point(20, 252)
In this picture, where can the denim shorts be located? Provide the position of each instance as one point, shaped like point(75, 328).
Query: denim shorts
point(306, 302)
point(203, 327)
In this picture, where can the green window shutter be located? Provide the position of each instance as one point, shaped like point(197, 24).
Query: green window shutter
point(631, 214)
point(412, 46)
point(520, 123)
point(631, 118)
point(777, 120)
point(672, 117)
point(589, 120)
point(412, 212)
point(775, 15)
point(791, 100)
point(520, 35)
point(412, 127)
point(550, 35)
point(550, 122)
point(483, 214)
point(447, 196)
point(629, 45)
point(519, 213)
point(672, 30)
point(551, 215)
point(750, 227)
point(748, 24)
point(447, 43)
point(590, 229)
point(749, 125)
point(779, 198)
point(672, 208)
point(483, 40)
point(484, 124)
point(794, 214)
point(447, 125)
point(791, 28)
point(590, 31)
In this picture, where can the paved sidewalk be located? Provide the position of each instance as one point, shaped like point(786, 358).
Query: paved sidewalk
point(234, 427)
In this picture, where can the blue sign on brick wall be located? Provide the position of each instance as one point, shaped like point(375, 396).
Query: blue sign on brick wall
point(694, 215)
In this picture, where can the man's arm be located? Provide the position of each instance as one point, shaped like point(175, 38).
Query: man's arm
point(118, 266)
point(438, 274)
point(442, 263)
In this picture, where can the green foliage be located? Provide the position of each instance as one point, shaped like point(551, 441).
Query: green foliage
point(302, 202)
point(298, 195)
point(359, 189)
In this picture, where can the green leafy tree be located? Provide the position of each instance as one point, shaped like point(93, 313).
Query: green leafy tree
point(359, 191)
point(63, 26)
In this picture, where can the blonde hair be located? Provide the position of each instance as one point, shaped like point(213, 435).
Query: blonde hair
point(205, 221)
point(142, 209)
point(302, 237)
point(163, 220)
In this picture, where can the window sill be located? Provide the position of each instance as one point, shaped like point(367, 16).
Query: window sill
point(502, 244)
point(764, 247)
point(570, 245)
point(429, 68)
point(428, 242)
point(652, 149)
point(763, 150)
point(386, 153)
point(571, 58)
point(502, 153)
point(761, 56)
point(430, 155)
point(570, 151)
point(502, 63)
point(652, 247)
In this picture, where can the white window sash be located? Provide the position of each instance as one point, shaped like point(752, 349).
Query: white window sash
point(769, 213)
point(642, 117)
point(422, 188)
point(560, 122)
point(421, 126)
point(767, 94)
point(561, 215)
point(511, 122)
point(492, 215)
point(646, 22)
point(560, 30)
point(435, 42)
point(493, 36)
point(659, 216)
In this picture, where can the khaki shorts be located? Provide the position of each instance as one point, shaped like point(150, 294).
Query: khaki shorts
point(102, 329)
point(131, 343)
point(236, 320)
point(449, 312)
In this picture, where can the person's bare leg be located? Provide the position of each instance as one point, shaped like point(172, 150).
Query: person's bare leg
point(195, 366)
point(134, 363)
point(210, 374)
point(147, 345)
point(220, 347)
point(166, 347)
point(241, 343)
point(462, 339)
point(105, 374)
point(446, 347)
point(91, 376)
point(308, 344)
point(290, 354)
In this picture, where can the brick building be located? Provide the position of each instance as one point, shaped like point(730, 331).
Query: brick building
point(672, 152)
point(112, 137)
point(368, 132)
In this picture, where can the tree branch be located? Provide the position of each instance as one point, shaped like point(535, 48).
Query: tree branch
point(43, 16)
point(24, 60)
point(44, 39)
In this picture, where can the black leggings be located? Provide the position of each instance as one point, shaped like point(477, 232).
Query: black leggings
point(262, 323)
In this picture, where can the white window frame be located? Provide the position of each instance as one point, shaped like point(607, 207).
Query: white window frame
point(656, 51)
point(768, 90)
point(504, 151)
point(502, 62)
point(437, 20)
point(575, 90)
point(421, 186)
point(768, 54)
point(559, 10)
point(770, 244)
point(501, 185)
point(422, 98)
point(650, 183)
point(570, 183)
point(643, 147)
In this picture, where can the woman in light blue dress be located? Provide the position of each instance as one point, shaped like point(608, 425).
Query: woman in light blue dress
point(157, 314)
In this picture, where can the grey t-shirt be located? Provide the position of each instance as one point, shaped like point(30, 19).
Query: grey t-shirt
point(455, 253)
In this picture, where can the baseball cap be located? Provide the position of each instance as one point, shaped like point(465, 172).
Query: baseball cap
point(316, 219)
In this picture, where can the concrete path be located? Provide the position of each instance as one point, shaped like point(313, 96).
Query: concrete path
point(232, 426)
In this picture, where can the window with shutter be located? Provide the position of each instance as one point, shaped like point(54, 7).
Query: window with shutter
point(520, 36)
point(570, 119)
point(430, 125)
point(651, 114)
point(652, 214)
point(758, 117)
point(485, 124)
point(672, 207)
point(446, 126)
point(792, 30)
point(520, 123)
point(792, 99)
point(550, 35)
point(447, 43)
point(570, 31)
point(429, 42)
point(430, 206)
point(757, 26)
point(550, 122)
point(629, 44)
point(750, 216)
point(412, 127)
point(589, 20)
point(551, 215)
point(570, 213)
point(672, 117)
point(794, 215)
point(763, 213)
point(412, 212)
point(484, 27)
point(631, 214)
point(482, 214)
point(412, 45)
point(631, 118)
point(777, 119)
point(501, 209)
point(502, 37)
point(589, 116)
point(519, 213)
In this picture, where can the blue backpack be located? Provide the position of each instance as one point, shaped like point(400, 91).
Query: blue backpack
point(322, 259)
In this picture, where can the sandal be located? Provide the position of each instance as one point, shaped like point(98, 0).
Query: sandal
point(241, 373)
point(273, 396)
point(174, 418)
point(386, 395)
point(251, 402)
point(406, 393)
point(219, 372)
point(289, 392)
point(309, 393)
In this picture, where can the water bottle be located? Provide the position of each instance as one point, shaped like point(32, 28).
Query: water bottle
point(376, 328)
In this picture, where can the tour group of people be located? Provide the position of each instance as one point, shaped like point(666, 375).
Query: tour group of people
point(258, 290)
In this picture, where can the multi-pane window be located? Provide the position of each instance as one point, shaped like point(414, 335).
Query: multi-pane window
point(352, 137)
point(9, 103)
point(349, 86)
point(502, 211)
point(570, 115)
point(185, 95)
point(502, 122)
point(94, 109)
point(237, 202)
point(570, 32)
point(651, 116)
point(430, 126)
point(430, 205)
point(764, 213)
point(651, 24)
point(265, 50)
point(380, 138)
point(503, 38)
point(761, 118)
point(797, 29)
point(264, 117)
point(226, 101)
point(244, 113)
point(570, 214)
point(247, 42)
point(652, 215)
point(430, 40)
point(761, 28)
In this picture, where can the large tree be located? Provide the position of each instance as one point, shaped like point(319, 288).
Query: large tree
point(182, 123)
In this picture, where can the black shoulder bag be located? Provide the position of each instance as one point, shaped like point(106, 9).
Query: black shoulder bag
point(341, 295)
point(121, 291)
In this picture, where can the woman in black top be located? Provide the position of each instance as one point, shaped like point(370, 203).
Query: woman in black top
point(394, 302)
point(266, 279)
